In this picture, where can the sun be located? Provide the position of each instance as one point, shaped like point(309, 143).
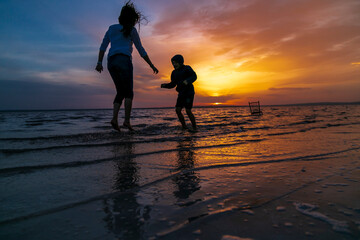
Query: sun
point(225, 79)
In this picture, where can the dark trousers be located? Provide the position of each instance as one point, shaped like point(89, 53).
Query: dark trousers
point(121, 70)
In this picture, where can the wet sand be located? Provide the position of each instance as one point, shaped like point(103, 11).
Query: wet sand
point(312, 197)
point(276, 205)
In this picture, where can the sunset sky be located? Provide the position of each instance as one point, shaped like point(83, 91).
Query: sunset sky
point(275, 51)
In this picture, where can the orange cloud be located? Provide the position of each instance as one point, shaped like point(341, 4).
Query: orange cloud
point(273, 50)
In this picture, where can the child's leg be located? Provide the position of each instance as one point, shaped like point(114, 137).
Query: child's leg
point(191, 117)
point(181, 117)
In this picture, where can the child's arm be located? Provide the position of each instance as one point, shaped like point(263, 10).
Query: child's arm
point(168, 85)
point(192, 78)
point(171, 84)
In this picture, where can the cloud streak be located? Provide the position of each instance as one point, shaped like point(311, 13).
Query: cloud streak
point(43, 95)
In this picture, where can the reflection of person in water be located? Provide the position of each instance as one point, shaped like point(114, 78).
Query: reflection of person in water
point(188, 181)
point(126, 216)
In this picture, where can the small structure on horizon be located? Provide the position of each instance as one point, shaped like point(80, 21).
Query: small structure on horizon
point(255, 108)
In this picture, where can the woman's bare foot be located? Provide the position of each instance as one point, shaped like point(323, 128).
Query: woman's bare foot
point(128, 126)
point(193, 129)
point(115, 125)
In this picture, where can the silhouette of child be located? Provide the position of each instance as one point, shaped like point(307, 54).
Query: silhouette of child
point(182, 77)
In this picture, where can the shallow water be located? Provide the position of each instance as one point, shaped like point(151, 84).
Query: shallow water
point(51, 160)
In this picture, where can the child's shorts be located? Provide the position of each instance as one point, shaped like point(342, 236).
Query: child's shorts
point(185, 100)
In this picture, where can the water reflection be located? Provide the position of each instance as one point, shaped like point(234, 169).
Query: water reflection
point(187, 182)
point(125, 217)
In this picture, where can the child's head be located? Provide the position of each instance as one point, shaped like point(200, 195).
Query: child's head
point(177, 61)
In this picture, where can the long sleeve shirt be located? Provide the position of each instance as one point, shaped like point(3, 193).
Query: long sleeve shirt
point(121, 44)
point(178, 76)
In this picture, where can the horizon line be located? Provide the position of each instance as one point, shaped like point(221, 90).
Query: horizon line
point(199, 106)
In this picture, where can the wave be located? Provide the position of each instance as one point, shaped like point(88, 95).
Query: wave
point(148, 133)
point(58, 137)
point(311, 128)
point(169, 119)
point(34, 124)
point(314, 157)
point(28, 169)
point(304, 122)
point(260, 128)
point(281, 133)
point(44, 121)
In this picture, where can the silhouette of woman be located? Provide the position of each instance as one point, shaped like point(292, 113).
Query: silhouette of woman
point(122, 36)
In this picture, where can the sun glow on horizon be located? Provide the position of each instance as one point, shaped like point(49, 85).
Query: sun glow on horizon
point(226, 79)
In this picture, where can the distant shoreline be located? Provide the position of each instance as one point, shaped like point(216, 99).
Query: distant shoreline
point(215, 106)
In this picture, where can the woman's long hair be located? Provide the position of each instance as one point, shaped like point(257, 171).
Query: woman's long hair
point(129, 16)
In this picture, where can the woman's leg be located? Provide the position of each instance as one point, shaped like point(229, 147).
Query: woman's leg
point(121, 71)
point(114, 120)
point(115, 71)
point(128, 107)
point(129, 94)
point(116, 109)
